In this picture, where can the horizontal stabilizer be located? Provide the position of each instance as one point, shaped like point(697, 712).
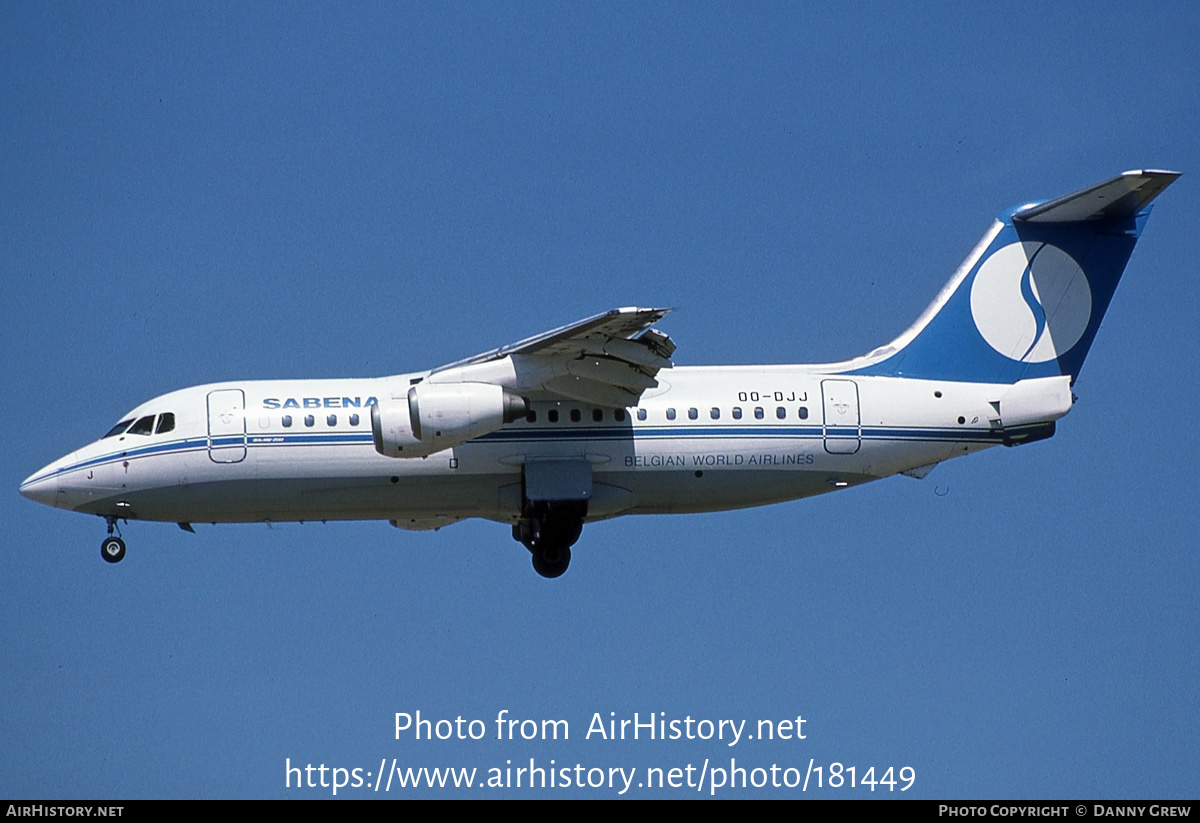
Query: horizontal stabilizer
point(1123, 196)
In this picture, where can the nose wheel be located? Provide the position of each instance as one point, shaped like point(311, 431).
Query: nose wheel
point(113, 547)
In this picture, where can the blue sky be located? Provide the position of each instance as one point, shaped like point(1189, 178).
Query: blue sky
point(207, 192)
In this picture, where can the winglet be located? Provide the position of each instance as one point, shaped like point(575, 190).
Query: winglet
point(1121, 197)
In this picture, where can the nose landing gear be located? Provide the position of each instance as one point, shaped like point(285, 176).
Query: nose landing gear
point(113, 547)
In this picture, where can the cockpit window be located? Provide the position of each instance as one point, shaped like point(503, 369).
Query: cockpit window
point(144, 426)
point(119, 428)
point(166, 423)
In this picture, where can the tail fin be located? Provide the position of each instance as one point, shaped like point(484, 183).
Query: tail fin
point(1029, 299)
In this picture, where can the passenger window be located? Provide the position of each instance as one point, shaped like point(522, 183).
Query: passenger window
point(597, 416)
point(531, 416)
point(143, 426)
point(309, 420)
point(331, 420)
point(119, 428)
point(758, 413)
point(693, 414)
point(715, 413)
point(670, 414)
point(803, 412)
point(552, 415)
point(354, 420)
point(287, 421)
point(781, 413)
point(619, 415)
point(737, 412)
point(641, 414)
point(575, 415)
point(166, 423)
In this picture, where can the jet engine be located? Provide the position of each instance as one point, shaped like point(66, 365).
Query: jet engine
point(437, 416)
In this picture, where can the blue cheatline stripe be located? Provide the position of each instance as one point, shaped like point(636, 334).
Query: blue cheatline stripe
point(174, 446)
point(589, 433)
point(550, 435)
point(293, 439)
point(740, 433)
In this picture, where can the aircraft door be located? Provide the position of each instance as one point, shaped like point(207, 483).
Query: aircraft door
point(842, 430)
point(227, 426)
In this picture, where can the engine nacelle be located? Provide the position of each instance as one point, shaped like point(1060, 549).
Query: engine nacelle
point(438, 416)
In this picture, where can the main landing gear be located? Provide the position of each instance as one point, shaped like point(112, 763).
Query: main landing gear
point(548, 530)
point(113, 547)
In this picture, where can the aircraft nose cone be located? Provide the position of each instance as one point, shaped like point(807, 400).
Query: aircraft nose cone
point(41, 487)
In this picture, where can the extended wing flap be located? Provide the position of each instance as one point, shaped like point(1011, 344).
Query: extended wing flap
point(615, 372)
point(593, 392)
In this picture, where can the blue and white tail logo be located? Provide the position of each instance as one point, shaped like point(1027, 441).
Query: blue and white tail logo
point(1031, 302)
point(1028, 301)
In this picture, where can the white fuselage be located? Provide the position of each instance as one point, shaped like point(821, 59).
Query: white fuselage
point(592, 419)
point(708, 438)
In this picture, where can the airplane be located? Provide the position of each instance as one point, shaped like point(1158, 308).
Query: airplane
point(593, 420)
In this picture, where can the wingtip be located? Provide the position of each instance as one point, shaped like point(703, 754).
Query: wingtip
point(641, 310)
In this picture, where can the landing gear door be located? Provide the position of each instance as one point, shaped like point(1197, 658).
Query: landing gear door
point(227, 426)
point(558, 480)
point(842, 430)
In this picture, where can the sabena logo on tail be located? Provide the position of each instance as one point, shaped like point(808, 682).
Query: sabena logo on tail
point(1029, 299)
point(1031, 302)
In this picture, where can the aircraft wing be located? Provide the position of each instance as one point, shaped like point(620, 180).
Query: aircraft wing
point(606, 360)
